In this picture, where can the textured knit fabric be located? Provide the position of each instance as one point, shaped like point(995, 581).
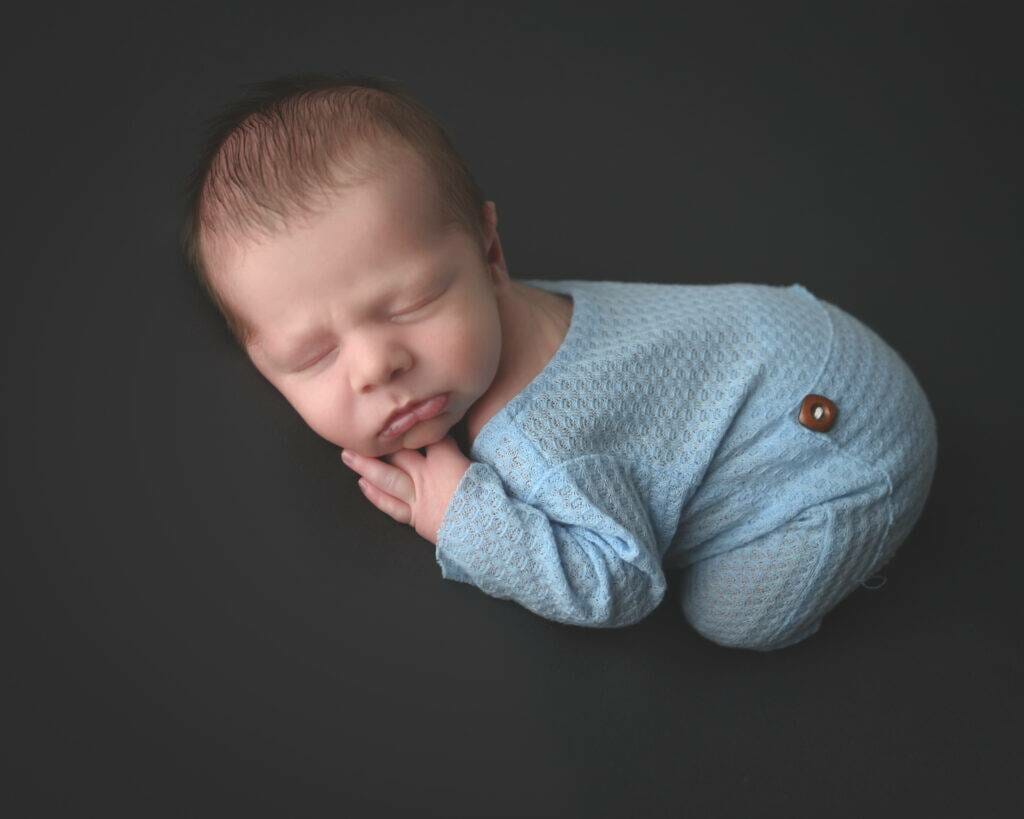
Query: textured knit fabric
point(663, 435)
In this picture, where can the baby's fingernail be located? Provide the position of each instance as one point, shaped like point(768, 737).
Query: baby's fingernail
point(346, 457)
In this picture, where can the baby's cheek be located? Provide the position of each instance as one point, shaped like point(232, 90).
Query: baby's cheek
point(454, 342)
point(477, 347)
point(326, 421)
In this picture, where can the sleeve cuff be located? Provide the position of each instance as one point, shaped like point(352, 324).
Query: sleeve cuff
point(450, 570)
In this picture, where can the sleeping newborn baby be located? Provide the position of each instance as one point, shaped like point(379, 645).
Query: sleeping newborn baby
point(563, 444)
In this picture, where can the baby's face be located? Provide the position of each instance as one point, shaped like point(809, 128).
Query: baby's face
point(370, 307)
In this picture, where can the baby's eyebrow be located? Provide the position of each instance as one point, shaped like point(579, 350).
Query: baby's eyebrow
point(296, 343)
point(299, 342)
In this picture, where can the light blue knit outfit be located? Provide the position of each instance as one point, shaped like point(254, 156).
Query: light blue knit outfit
point(664, 435)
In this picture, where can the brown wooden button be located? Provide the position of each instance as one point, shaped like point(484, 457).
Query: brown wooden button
point(818, 413)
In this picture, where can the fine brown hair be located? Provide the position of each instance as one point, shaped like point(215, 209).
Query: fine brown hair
point(287, 146)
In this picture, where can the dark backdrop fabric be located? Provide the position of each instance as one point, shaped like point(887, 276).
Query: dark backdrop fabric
point(206, 616)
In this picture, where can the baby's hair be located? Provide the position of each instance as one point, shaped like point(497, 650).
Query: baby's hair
point(286, 147)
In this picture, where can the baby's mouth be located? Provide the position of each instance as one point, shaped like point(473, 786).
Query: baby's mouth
point(423, 411)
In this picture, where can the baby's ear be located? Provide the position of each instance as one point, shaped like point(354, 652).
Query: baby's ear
point(490, 215)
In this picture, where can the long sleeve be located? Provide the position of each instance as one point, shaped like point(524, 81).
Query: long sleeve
point(581, 550)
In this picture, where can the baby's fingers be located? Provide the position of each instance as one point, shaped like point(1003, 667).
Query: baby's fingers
point(389, 479)
point(383, 501)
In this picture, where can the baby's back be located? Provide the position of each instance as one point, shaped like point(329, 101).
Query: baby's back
point(698, 388)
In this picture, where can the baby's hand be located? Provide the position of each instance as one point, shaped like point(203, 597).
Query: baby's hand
point(413, 488)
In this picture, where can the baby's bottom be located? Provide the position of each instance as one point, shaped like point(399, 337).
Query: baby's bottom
point(774, 591)
point(875, 469)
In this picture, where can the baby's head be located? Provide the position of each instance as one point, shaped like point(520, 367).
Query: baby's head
point(351, 253)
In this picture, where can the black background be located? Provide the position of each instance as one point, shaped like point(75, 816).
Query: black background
point(208, 618)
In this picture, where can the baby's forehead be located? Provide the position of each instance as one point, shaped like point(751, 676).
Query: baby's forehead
point(389, 225)
point(367, 260)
